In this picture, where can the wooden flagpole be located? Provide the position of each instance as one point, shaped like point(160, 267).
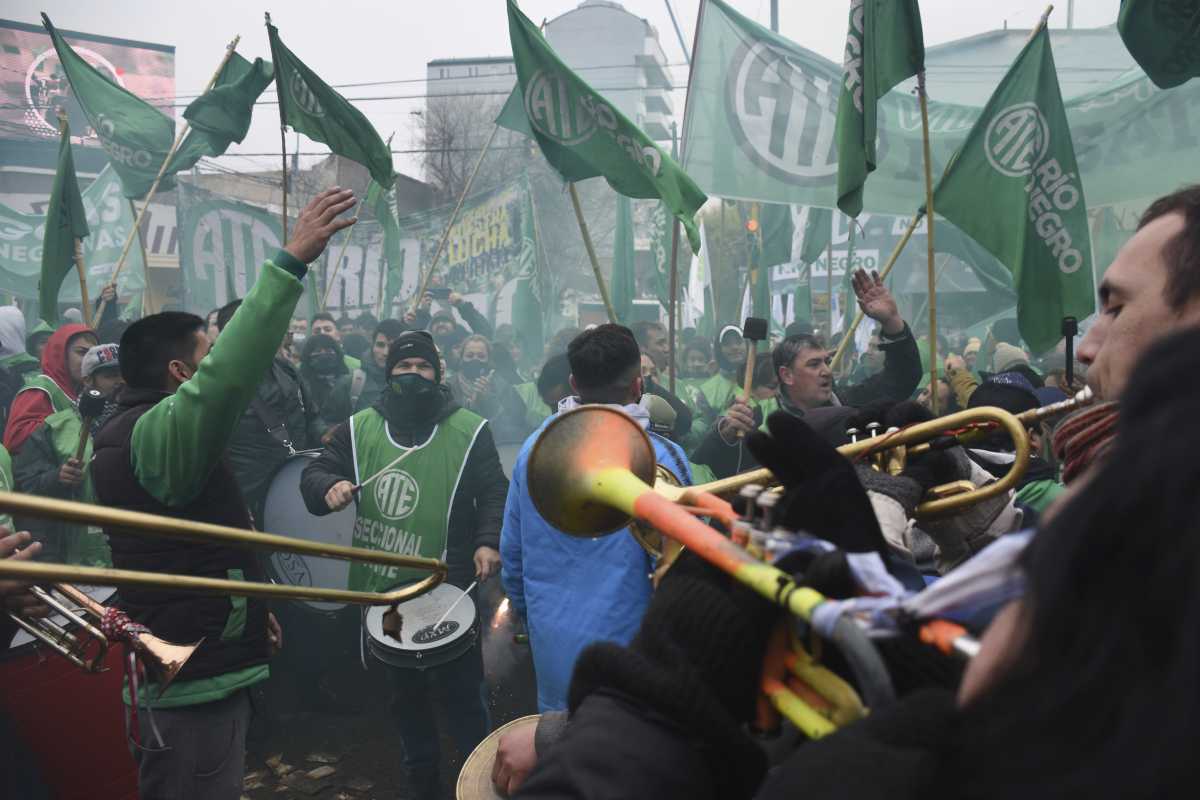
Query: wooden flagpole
point(341, 256)
point(591, 252)
point(147, 308)
point(931, 277)
point(162, 171)
point(428, 274)
point(83, 290)
point(891, 262)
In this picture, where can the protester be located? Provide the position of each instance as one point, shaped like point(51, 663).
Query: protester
point(328, 384)
point(375, 367)
point(479, 389)
point(947, 402)
point(55, 389)
point(457, 500)
point(50, 464)
point(280, 420)
point(15, 363)
point(35, 342)
point(574, 591)
point(164, 452)
point(324, 323)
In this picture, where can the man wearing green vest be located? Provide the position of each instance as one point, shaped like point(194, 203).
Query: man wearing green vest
point(54, 389)
point(444, 501)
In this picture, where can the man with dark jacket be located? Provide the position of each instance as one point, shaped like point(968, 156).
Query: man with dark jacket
point(163, 452)
point(802, 366)
point(450, 465)
point(280, 420)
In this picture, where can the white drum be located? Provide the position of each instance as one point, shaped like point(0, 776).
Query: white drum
point(284, 513)
point(421, 645)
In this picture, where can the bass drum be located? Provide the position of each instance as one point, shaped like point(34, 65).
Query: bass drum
point(421, 645)
point(284, 513)
point(69, 724)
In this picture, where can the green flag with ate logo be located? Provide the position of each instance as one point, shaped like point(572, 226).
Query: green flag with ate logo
point(884, 46)
point(312, 107)
point(1014, 187)
point(135, 135)
point(1163, 36)
point(66, 221)
point(583, 136)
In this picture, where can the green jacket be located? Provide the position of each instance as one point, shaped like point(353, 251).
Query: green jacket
point(536, 409)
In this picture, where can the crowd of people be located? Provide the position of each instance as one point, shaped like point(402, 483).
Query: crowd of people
point(1084, 682)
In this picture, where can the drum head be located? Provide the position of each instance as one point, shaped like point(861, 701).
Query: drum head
point(284, 513)
point(101, 594)
point(475, 779)
point(417, 633)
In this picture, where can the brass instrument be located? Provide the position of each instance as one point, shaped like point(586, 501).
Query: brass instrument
point(590, 471)
point(169, 657)
point(962, 427)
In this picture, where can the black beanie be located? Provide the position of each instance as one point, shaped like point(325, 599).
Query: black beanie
point(414, 344)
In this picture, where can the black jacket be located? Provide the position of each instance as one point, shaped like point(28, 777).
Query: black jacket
point(895, 382)
point(683, 414)
point(478, 510)
point(255, 454)
point(181, 617)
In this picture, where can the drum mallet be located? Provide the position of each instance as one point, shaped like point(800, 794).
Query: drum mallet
point(91, 406)
point(466, 592)
point(754, 331)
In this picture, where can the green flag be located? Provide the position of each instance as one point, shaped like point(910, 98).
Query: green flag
point(526, 303)
point(884, 46)
point(1163, 37)
point(66, 221)
point(776, 230)
point(312, 107)
point(661, 227)
point(381, 204)
point(818, 228)
point(582, 135)
point(1014, 187)
point(223, 113)
point(624, 281)
point(136, 136)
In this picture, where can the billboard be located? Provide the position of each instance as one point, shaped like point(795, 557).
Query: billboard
point(33, 86)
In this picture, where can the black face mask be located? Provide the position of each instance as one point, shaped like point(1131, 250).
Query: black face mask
point(410, 398)
point(472, 369)
point(324, 364)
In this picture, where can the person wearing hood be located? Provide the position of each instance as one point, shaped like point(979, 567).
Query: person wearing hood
point(575, 591)
point(445, 501)
point(35, 342)
point(280, 420)
point(55, 389)
point(15, 362)
point(47, 465)
point(327, 380)
point(710, 397)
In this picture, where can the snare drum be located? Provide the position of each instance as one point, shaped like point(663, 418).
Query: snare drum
point(71, 721)
point(284, 513)
point(421, 645)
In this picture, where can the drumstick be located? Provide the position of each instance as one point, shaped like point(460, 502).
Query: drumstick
point(466, 592)
point(395, 461)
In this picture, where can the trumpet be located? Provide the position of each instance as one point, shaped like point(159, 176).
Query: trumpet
point(77, 607)
point(962, 427)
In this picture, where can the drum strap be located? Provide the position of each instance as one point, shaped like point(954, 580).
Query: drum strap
point(274, 423)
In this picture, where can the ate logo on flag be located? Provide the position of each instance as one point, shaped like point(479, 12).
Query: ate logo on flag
point(852, 64)
point(782, 118)
point(1017, 139)
point(303, 95)
point(557, 112)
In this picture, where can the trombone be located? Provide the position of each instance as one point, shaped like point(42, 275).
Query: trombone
point(962, 427)
point(77, 607)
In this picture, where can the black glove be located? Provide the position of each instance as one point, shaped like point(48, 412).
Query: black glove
point(823, 495)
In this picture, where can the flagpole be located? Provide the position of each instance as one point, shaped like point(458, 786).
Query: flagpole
point(341, 256)
point(162, 170)
point(891, 262)
point(83, 290)
point(671, 307)
point(591, 252)
point(428, 274)
point(283, 215)
point(931, 278)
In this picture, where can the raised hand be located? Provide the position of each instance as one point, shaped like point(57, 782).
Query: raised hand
point(877, 302)
point(318, 222)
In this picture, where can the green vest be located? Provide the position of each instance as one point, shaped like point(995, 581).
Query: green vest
point(536, 409)
point(86, 544)
point(44, 383)
point(406, 510)
point(6, 482)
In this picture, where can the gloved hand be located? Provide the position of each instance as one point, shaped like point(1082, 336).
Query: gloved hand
point(931, 469)
point(823, 495)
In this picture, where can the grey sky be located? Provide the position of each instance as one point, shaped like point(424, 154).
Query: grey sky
point(349, 41)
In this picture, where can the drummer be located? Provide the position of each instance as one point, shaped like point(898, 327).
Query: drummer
point(444, 500)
